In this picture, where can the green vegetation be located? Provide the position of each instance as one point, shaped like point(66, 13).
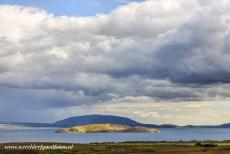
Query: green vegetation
point(130, 148)
point(95, 128)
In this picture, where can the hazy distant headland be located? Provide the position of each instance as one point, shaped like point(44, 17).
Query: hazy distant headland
point(10, 126)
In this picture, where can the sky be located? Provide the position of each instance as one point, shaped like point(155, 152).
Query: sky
point(71, 7)
point(155, 61)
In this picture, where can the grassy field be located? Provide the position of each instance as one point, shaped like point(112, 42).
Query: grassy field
point(127, 148)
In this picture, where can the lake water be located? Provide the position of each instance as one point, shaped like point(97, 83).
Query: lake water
point(165, 134)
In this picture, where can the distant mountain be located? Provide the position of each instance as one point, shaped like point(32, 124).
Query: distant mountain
point(99, 119)
point(110, 119)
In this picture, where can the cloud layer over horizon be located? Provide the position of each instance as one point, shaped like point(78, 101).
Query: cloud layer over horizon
point(166, 51)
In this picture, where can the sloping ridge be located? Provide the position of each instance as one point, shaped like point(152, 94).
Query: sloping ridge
point(98, 119)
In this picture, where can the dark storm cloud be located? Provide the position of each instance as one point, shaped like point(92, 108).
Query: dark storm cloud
point(194, 52)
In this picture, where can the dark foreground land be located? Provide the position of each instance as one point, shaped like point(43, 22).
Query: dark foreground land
point(128, 148)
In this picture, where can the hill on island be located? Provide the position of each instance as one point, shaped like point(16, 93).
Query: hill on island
point(107, 128)
point(99, 119)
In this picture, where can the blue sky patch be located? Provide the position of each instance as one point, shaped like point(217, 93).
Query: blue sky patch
point(72, 7)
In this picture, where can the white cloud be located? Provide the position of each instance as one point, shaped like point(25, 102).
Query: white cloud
point(164, 50)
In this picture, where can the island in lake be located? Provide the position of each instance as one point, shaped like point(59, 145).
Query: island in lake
point(107, 128)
